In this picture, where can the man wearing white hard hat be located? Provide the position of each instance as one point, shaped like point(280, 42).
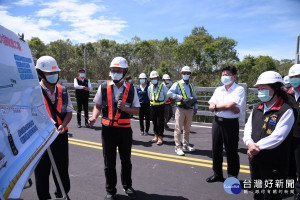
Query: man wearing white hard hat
point(182, 91)
point(59, 108)
point(294, 94)
point(142, 90)
point(168, 105)
point(287, 84)
point(226, 103)
point(117, 100)
point(267, 135)
point(157, 93)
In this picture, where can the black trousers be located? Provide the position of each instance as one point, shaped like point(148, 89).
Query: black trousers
point(294, 165)
point(168, 113)
point(82, 100)
point(144, 114)
point(157, 114)
point(225, 131)
point(60, 151)
point(113, 138)
point(262, 171)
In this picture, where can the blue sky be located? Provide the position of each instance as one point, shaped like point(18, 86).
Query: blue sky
point(261, 27)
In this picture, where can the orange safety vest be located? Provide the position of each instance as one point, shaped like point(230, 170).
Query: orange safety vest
point(111, 120)
point(58, 106)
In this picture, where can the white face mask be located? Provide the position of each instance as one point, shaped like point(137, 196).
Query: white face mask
point(116, 77)
point(167, 81)
point(186, 77)
point(142, 81)
point(82, 75)
point(154, 82)
point(226, 80)
point(52, 78)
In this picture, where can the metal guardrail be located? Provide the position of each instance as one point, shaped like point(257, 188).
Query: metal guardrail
point(203, 94)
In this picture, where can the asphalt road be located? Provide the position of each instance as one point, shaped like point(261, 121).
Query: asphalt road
point(158, 173)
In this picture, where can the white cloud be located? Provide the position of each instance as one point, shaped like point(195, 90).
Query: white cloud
point(80, 22)
point(24, 3)
point(30, 27)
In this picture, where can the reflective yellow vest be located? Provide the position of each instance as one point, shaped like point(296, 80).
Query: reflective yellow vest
point(154, 100)
point(183, 92)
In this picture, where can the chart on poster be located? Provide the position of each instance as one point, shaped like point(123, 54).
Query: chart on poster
point(26, 130)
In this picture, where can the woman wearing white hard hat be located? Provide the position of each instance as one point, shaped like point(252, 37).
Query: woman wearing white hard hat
point(117, 100)
point(294, 94)
point(59, 107)
point(142, 90)
point(267, 135)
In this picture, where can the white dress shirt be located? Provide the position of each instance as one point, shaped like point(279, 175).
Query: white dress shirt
point(52, 97)
point(80, 87)
point(297, 95)
point(282, 129)
point(235, 93)
point(117, 91)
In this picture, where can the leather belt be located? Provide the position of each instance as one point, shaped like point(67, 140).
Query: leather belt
point(222, 119)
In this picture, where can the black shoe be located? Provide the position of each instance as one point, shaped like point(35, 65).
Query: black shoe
point(110, 197)
point(87, 125)
point(146, 133)
point(142, 132)
point(130, 193)
point(79, 125)
point(214, 178)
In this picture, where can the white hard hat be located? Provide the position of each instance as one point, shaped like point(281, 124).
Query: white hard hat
point(286, 79)
point(186, 69)
point(47, 64)
point(119, 62)
point(166, 76)
point(142, 75)
point(269, 77)
point(294, 70)
point(154, 74)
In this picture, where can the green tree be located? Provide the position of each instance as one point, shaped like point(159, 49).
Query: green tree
point(37, 47)
point(64, 54)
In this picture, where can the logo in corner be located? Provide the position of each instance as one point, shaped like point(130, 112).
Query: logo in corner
point(232, 186)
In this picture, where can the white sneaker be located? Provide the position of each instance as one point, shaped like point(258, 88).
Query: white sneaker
point(188, 148)
point(179, 151)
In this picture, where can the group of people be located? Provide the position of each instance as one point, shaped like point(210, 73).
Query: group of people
point(271, 133)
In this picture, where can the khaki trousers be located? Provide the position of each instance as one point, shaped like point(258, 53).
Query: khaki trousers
point(183, 120)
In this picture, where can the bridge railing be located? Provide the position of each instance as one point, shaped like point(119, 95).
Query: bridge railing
point(203, 94)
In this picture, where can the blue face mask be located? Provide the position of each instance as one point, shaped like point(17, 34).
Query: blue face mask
point(287, 85)
point(264, 95)
point(82, 75)
point(185, 77)
point(295, 82)
point(52, 78)
point(154, 82)
point(226, 80)
point(142, 81)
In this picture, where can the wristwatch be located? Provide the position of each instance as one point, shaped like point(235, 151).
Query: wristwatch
point(215, 107)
